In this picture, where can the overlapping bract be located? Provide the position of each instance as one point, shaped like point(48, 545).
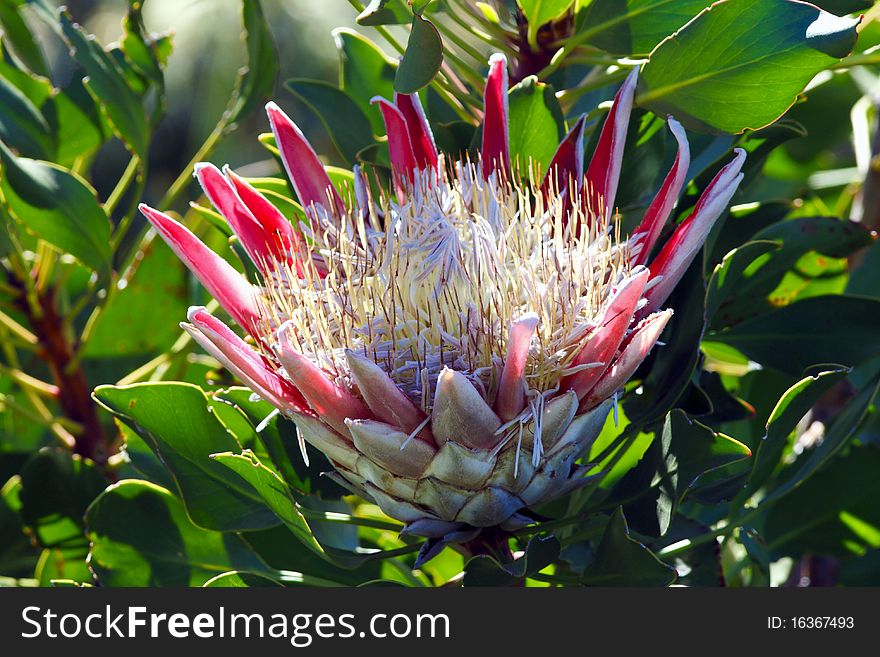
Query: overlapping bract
point(474, 446)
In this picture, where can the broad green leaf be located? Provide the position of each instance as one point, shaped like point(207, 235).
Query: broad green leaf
point(58, 206)
point(177, 423)
point(18, 555)
point(741, 63)
point(239, 579)
point(536, 124)
point(540, 12)
point(141, 536)
point(17, 32)
point(483, 570)
point(346, 123)
point(56, 488)
point(364, 72)
point(761, 285)
point(256, 81)
point(866, 274)
point(278, 436)
point(136, 322)
point(622, 561)
point(634, 27)
point(825, 329)
point(837, 433)
point(78, 126)
point(618, 449)
point(108, 85)
point(63, 564)
point(834, 513)
point(385, 12)
point(690, 450)
point(727, 274)
point(789, 411)
point(841, 7)
point(274, 492)
point(22, 126)
point(422, 58)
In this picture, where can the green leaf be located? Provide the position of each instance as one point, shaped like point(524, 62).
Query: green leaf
point(16, 31)
point(141, 536)
point(177, 423)
point(622, 561)
point(256, 81)
point(274, 492)
point(483, 570)
point(278, 436)
point(760, 287)
point(385, 12)
point(691, 450)
point(364, 72)
point(22, 126)
point(56, 488)
point(864, 277)
point(137, 322)
point(789, 411)
point(837, 432)
point(824, 329)
point(634, 27)
point(347, 125)
point(728, 273)
point(108, 86)
point(540, 12)
point(77, 123)
point(741, 64)
point(536, 124)
point(239, 579)
point(834, 513)
point(422, 58)
point(58, 206)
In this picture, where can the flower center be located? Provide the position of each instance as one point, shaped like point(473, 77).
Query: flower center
point(437, 278)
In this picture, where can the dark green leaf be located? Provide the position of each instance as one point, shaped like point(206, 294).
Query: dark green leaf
point(177, 423)
point(56, 488)
point(740, 64)
point(759, 288)
point(691, 450)
point(622, 561)
point(256, 81)
point(364, 72)
point(347, 125)
point(16, 31)
point(141, 536)
point(835, 512)
point(485, 571)
point(422, 59)
point(728, 273)
point(863, 279)
point(789, 411)
point(385, 12)
point(22, 126)
point(58, 206)
point(108, 85)
point(824, 329)
point(536, 125)
point(837, 433)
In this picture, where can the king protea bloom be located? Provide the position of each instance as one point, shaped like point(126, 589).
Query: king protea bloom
point(455, 345)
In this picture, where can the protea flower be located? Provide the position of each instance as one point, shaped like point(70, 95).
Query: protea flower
point(453, 346)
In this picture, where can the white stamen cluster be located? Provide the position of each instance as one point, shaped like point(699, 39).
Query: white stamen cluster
point(437, 278)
